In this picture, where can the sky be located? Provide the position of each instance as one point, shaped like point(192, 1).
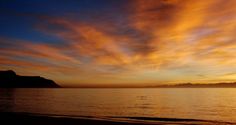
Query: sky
point(120, 42)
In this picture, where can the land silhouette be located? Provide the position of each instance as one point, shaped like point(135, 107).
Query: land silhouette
point(198, 85)
point(9, 79)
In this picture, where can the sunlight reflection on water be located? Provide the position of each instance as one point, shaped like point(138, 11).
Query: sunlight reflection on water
point(194, 103)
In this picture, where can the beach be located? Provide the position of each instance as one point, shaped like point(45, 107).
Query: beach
point(16, 118)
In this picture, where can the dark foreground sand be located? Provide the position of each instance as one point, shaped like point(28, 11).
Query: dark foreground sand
point(10, 118)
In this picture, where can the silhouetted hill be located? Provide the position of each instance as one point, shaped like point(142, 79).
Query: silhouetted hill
point(190, 85)
point(9, 79)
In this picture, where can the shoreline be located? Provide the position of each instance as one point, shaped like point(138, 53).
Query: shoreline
point(16, 118)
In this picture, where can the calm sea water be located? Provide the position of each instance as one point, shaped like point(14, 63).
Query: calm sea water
point(194, 103)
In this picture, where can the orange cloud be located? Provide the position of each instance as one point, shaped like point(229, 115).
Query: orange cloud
point(161, 41)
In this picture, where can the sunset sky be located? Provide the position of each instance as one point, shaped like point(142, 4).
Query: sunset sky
point(120, 42)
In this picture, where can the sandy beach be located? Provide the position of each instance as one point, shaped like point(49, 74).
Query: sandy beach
point(11, 118)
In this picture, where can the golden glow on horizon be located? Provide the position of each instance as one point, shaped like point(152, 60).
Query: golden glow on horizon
point(179, 41)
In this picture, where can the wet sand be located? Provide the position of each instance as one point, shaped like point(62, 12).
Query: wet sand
point(10, 118)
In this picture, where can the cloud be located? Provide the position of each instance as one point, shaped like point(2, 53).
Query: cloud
point(172, 39)
point(34, 50)
point(35, 56)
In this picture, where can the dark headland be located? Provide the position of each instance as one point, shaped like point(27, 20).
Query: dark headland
point(9, 79)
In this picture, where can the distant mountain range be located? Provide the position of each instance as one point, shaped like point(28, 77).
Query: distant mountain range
point(191, 85)
point(9, 79)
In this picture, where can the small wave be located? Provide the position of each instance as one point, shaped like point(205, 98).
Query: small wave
point(108, 120)
point(175, 121)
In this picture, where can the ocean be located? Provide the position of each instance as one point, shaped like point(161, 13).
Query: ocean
point(216, 104)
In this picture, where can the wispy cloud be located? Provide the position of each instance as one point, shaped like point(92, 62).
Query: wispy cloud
point(157, 41)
